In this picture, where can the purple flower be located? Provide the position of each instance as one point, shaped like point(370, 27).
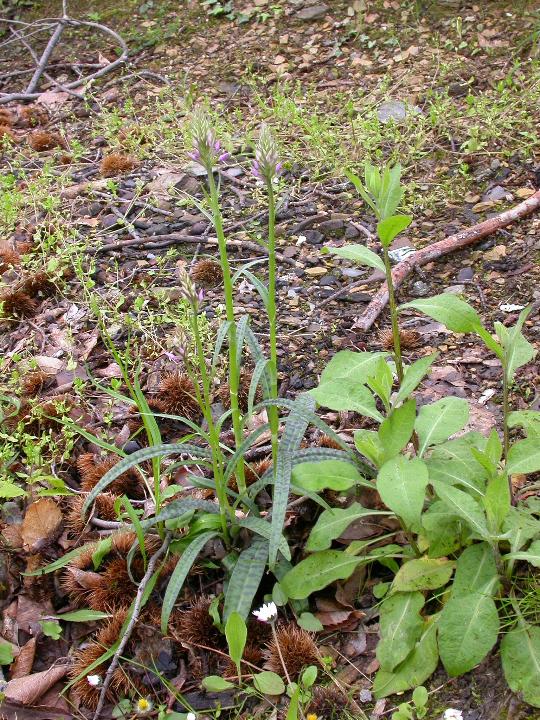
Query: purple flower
point(206, 147)
point(266, 165)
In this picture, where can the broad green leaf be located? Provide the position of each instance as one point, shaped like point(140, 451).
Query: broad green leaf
point(326, 475)
point(454, 463)
point(420, 697)
point(494, 447)
point(83, 616)
point(390, 227)
point(332, 523)
point(401, 483)
point(462, 504)
point(476, 571)
point(359, 254)
point(245, 579)
point(179, 574)
point(350, 366)
point(10, 490)
point(415, 669)
point(236, 634)
point(518, 351)
point(396, 430)
point(522, 527)
point(215, 683)
point(524, 457)
point(520, 656)
point(401, 626)
point(368, 443)
point(414, 374)
point(103, 548)
point(269, 683)
point(6, 654)
point(346, 395)
point(442, 530)
point(532, 555)
point(317, 571)
point(309, 622)
point(295, 427)
point(381, 381)
point(456, 314)
point(438, 420)
point(309, 676)
point(423, 574)
point(468, 629)
point(527, 419)
point(497, 500)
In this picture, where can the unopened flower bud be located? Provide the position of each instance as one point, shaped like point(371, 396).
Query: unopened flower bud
point(266, 165)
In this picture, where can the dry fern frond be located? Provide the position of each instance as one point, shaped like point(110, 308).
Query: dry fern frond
point(9, 256)
point(297, 648)
point(117, 164)
point(6, 132)
point(243, 392)
point(17, 303)
point(42, 140)
point(121, 684)
point(103, 508)
point(176, 396)
point(195, 626)
point(408, 339)
point(32, 115)
point(328, 442)
point(328, 703)
point(32, 382)
point(6, 117)
point(207, 273)
point(39, 283)
point(252, 473)
point(92, 469)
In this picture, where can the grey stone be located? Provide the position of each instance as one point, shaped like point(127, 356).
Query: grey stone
point(420, 289)
point(497, 193)
point(312, 12)
point(466, 273)
point(328, 280)
point(455, 289)
point(314, 237)
point(395, 110)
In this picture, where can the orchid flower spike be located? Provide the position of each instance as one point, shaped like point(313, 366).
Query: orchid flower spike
point(207, 148)
point(266, 613)
point(266, 165)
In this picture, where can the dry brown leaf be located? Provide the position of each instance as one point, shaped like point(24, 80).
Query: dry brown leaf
point(29, 689)
point(42, 525)
point(22, 667)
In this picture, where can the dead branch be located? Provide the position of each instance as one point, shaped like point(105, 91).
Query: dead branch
point(450, 244)
point(61, 23)
point(137, 607)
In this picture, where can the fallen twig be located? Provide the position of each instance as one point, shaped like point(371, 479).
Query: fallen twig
point(137, 607)
point(31, 92)
point(432, 252)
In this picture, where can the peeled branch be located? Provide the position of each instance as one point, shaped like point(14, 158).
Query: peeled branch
point(432, 252)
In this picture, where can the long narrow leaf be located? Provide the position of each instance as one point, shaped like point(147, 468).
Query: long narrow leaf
point(220, 339)
point(257, 353)
point(295, 428)
point(241, 450)
point(178, 577)
point(263, 528)
point(245, 579)
point(138, 457)
point(177, 508)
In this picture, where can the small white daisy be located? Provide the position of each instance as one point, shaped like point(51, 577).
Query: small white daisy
point(144, 706)
point(266, 613)
point(452, 714)
point(94, 680)
point(191, 716)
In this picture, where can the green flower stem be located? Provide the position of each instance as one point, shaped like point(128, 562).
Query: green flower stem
point(272, 320)
point(234, 374)
point(506, 434)
point(225, 510)
point(393, 315)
